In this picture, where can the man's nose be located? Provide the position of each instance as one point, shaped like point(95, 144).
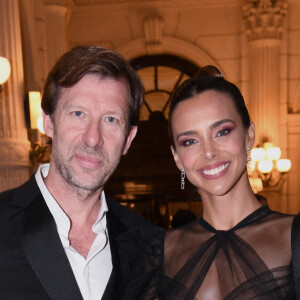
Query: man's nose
point(92, 135)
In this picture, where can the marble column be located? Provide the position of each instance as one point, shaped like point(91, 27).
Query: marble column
point(264, 30)
point(14, 145)
point(264, 27)
point(33, 44)
point(56, 14)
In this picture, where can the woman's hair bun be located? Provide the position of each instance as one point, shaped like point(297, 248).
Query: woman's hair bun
point(210, 71)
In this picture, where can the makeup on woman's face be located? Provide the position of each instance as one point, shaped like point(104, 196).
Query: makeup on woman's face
point(210, 140)
point(220, 128)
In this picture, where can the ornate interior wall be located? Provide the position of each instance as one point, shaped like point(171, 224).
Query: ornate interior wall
point(256, 44)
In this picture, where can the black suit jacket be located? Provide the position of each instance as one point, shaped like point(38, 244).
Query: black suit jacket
point(33, 264)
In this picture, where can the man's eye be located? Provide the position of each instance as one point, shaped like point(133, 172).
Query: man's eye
point(111, 119)
point(78, 113)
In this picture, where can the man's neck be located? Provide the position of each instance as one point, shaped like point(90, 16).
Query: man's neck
point(82, 208)
point(76, 202)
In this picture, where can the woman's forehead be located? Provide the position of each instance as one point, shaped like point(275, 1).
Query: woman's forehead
point(212, 102)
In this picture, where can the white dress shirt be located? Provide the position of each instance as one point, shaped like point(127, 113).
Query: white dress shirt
point(92, 274)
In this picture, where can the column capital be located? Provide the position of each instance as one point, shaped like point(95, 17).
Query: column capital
point(264, 18)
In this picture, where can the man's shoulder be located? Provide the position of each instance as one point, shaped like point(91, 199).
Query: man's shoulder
point(6, 196)
point(28, 188)
point(125, 215)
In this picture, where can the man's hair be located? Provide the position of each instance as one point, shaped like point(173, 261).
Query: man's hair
point(92, 60)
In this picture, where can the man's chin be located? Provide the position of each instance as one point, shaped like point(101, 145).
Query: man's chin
point(90, 181)
point(88, 186)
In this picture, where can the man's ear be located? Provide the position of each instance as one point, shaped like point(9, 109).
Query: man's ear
point(131, 135)
point(250, 137)
point(48, 125)
point(176, 158)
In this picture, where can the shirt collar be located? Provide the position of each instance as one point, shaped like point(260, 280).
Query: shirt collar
point(61, 219)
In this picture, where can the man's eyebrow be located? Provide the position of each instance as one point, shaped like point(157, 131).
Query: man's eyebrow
point(218, 123)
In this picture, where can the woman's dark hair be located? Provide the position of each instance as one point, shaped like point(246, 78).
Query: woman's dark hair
point(208, 78)
point(93, 60)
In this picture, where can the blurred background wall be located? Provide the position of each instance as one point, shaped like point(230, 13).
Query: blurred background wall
point(255, 43)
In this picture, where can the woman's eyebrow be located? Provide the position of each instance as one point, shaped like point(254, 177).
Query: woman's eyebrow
point(218, 123)
point(186, 133)
point(214, 125)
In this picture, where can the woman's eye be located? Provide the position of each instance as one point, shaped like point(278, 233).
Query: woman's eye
point(188, 142)
point(224, 132)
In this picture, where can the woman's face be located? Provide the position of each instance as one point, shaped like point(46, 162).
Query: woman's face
point(211, 142)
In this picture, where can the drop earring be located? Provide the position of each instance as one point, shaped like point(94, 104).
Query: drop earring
point(248, 155)
point(182, 177)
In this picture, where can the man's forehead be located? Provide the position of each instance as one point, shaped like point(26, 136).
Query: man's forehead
point(112, 92)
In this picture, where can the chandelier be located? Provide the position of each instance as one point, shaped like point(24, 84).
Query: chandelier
point(266, 168)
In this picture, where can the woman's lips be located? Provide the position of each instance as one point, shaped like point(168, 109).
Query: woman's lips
point(215, 170)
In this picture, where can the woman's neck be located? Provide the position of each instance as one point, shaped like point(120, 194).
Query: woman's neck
point(224, 212)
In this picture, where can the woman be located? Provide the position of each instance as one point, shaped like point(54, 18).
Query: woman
point(238, 249)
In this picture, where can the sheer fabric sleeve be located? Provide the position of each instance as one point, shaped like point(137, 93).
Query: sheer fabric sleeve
point(141, 260)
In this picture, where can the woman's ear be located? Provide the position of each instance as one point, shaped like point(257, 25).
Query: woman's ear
point(250, 138)
point(176, 158)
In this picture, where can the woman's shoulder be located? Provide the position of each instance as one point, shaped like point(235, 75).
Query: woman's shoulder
point(283, 221)
point(270, 223)
point(279, 214)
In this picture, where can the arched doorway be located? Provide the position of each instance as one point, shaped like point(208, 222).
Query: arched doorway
point(147, 179)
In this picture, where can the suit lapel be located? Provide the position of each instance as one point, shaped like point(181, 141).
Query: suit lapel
point(115, 286)
point(39, 239)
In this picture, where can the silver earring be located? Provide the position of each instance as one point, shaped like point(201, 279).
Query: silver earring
point(182, 179)
point(248, 155)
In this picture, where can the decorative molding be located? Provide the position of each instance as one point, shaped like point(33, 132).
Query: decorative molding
point(153, 34)
point(264, 18)
point(89, 2)
point(293, 124)
point(14, 152)
point(170, 45)
point(295, 95)
point(56, 2)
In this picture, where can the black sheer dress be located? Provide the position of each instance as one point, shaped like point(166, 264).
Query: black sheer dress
point(250, 261)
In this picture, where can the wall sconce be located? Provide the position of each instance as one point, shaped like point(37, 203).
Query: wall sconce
point(35, 111)
point(266, 169)
point(4, 70)
point(40, 147)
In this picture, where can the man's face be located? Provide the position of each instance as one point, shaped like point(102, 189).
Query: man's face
point(89, 132)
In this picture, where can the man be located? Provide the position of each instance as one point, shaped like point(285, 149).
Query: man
point(58, 231)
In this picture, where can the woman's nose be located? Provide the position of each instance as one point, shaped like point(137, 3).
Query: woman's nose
point(210, 150)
